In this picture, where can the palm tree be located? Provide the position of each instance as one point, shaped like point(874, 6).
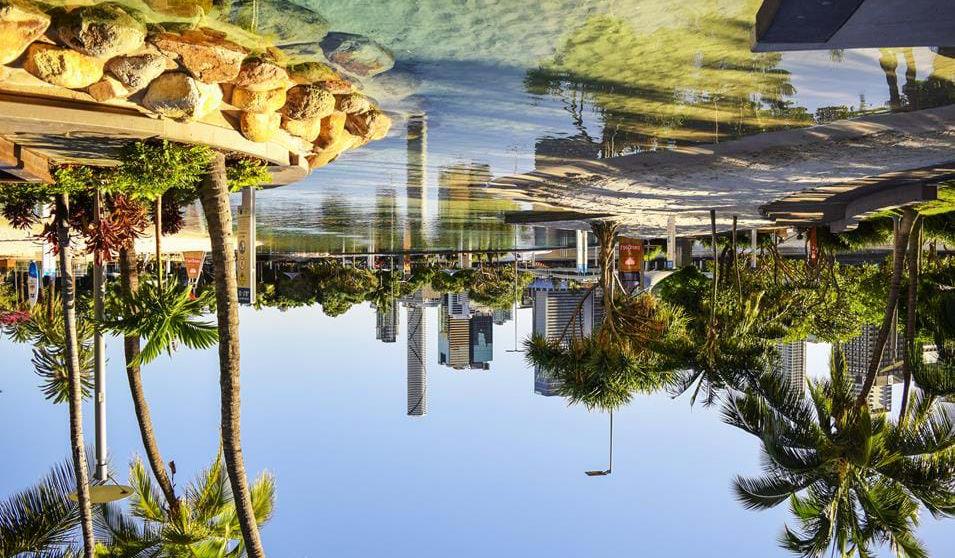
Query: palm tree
point(624, 354)
point(914, 265)
point(41, 520)
point(214, 194)
point(903, 230)
point(129, 273)
point(852, 478)
point(71, 354)
point(163, 314)
point(203, 523)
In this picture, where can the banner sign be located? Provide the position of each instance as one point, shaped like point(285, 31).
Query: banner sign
point(193, 262)
point(245, 248)
point(33, 283)
point(631, 255)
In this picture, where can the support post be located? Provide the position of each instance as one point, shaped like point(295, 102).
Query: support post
point(99, 355)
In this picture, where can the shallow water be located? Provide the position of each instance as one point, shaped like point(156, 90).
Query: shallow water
point(390, 432)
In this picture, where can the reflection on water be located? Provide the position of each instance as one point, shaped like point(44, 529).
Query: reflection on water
point(380, 296)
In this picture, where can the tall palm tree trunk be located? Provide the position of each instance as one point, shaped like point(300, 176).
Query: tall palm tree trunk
point(157, 221)
point(214, 194)
point(898, 262)
point(71, 351)
point(914, 261)
point(129, 273)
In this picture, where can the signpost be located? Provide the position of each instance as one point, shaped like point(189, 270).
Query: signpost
point(245, 248)
point(631, 262)
point(33, 283)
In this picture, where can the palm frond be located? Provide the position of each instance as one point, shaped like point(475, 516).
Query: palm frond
point(41, 519)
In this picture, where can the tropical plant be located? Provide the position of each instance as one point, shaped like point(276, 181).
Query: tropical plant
point(214, 194)
point(627, 352)
point(203, 521)
point(163, 315)
point(41, 520)
point(853, 479)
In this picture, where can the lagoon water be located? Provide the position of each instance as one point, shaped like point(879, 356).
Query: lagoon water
point(482, 89)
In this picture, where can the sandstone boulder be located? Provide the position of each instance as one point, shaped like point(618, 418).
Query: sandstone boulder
point(102, 30)
point(357, 54)
point(205, 54)
point(261, 75)
point(62, 66)
point(259, 127)
point(325, 155)
point(106, 89)
point(136, 71)
point(333, 128)
point(310, 72)
point(179, 96)
point(370, 126)
point(21, 23)
point(181, 8)
point(308, 130)
point(353, 103)
point(336, 86)
point(258, 101)
point(284, 21)
point(304, 102)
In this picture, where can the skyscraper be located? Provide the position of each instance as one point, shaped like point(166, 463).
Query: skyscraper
point(792, 358)
point(417, 357)
point(386, 329)
point(465, 337)
point(554, 312)
point(858, 354)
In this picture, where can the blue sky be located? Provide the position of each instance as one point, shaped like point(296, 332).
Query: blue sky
point(492, 469)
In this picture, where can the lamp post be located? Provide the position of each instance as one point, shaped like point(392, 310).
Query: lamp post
point(610, 462)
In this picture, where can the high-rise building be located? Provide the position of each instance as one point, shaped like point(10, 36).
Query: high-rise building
point(417, 359)
point(465, 338)
point(858, 354)
point(482, 340)
point(386, 319)
point(554, 312)
point(792, 358)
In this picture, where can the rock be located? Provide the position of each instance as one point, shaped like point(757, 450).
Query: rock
point(205, 54)
point(107, 89)
point(353, 103)
point(333, 128)
point(136, 71)
point(21, 23)
point(261, 75)
point(304, 102)
point(308, 130)
point(370, 126)
point(310, 72)
point(325, 155)
point(357, 54)
point(284, 21)
point(259, 127)
point(181, 8)
point(178, 95)
point(102, 30)
point(62, 66)
point(336, 86)
point(258, 101)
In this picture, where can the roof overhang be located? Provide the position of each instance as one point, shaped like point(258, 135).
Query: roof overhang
point(783, 25)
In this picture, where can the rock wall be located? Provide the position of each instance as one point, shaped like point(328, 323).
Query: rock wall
point(292, 81)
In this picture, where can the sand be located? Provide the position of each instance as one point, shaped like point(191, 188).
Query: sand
point(736, 178)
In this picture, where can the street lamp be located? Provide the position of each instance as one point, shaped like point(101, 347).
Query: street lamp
point(610, 463)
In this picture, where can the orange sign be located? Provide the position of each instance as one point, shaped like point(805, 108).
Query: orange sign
point(631, 255)
point(193, 264)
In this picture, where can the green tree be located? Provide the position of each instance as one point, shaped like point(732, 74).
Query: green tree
point(202, 523)
point(852, 478)
point(214, 193)
point(41, 520)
